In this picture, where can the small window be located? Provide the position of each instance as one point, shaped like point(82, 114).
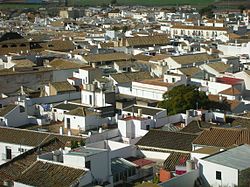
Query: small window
point(4, 46)
point(173, 79)
point(54, 110)
point(88, 164)
point(13, 45)
point(22, 45)
point(22, 109)
point(21, 150)
point(147, 127)
point(218, 175)
point(90, 99)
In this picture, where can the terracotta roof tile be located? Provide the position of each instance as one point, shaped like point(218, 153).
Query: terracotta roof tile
point(50, 174)
point(167, 140)
point(223, 137)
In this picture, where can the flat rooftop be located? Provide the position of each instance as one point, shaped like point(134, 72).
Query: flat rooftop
point(82, 151)
point(237, 158)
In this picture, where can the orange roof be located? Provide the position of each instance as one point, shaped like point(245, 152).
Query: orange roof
point(230, 91)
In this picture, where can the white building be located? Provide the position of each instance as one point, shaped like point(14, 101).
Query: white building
point(198, 31)
point(226, 168)
point(157, 115)
point(83, 119)
point(13, 116)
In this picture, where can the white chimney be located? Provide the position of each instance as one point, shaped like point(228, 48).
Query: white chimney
point(22, 91)
point(139, 112)
point(100, 130)
point(89, 134)
point(61, 130)
point(69, 132)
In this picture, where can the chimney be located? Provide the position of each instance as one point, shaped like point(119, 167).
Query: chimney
point(100, 130)
point(190, 165)
point(139, 112)
point(69, 132)
point(61, 131)
point(22, 91)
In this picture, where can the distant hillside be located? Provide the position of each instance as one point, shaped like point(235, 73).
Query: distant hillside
point(145, 2)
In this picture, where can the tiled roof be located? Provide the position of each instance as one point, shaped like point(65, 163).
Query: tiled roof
point(175, 159)
point(148, 40)
point(63, 86)
point(64, 64)
point(223, 137)
point(190, 71)
point(5, 110)
point(23, 63)
point(192, 127)
point(221, 67)
point(67, 106)
point(81, 111)
point(48, 174)
point(189, 59)
point(14, 168)
point(230, 91)
point(129, 77)
point(156, 82)
point(107, 57)
point(167, 140)
point(199, 27)
point(30, 138)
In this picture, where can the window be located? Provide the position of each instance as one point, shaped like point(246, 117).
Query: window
point(13, 45)
point(88, 164)
point(173, 79)
point(218, 175)
point(54, 110)
point(21, 150)
point(147, 127)
point(90, 99)
point(8, 153)
point(22, 109)
point(68, 123)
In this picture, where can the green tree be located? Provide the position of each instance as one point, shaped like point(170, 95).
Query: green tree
point(208, 11)
point(82, 142)
point(113, 2)
point(182, 98)
point(242, 8)
point(125, 28)
point(74, 144)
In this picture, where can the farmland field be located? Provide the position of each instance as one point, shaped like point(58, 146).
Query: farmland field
point(18, 6)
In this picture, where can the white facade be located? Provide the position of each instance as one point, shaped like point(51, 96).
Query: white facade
point(93, 98)
point(15, 118)
point(83, 123)
point(134, 127)
point(202, 32)
point(16, 149)
point(148, 91)
point(229, 176)
point(234, 49)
